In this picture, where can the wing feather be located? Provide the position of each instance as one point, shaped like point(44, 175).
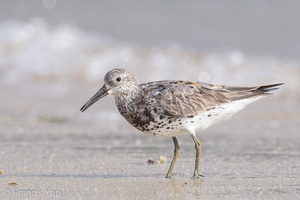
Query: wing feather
point(185, 98)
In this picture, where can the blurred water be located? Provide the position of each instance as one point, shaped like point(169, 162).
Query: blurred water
point(259, 27)
point(35, 51)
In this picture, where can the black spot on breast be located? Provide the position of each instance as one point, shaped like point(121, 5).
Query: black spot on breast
point(192, 121)
point(161, 117)
point(180, 123)
point(209, 115)
point(168, 128)
point(191, 116)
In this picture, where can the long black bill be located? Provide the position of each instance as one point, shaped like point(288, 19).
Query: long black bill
point(99, 95)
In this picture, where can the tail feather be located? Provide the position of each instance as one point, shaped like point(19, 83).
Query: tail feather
point(268, 88)
point(247, 92)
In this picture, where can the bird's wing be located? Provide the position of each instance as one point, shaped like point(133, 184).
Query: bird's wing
point(185, 98)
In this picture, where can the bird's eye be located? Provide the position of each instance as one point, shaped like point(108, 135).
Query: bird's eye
point(118, 79)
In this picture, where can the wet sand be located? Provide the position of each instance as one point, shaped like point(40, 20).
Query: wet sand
point(49, 149)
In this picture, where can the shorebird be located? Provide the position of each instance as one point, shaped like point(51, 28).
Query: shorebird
point(171, 108)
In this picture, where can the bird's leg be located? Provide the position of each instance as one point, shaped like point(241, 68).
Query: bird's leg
point(198, 153)
point(176, 153)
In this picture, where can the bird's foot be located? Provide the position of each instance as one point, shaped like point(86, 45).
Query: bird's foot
point(168, 176)
point(198, 175)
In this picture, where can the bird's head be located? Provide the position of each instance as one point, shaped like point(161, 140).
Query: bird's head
point(117, 82)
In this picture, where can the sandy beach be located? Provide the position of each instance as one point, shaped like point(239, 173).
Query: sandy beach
point(50, 149)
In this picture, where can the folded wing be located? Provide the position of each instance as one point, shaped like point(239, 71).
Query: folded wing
point(185, 98)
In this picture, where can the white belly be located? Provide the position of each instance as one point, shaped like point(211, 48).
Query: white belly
point(185, 125)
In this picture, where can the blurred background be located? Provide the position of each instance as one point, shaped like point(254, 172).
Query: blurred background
point(54, 54)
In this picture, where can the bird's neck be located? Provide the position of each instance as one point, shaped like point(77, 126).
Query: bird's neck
point(130, 96)
point(131, 104)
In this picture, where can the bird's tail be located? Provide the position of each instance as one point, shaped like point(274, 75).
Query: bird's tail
point(237, 93)
point(267, 88)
